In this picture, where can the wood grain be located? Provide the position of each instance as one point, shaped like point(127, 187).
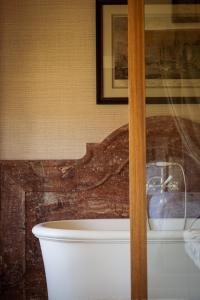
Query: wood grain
point(137, 149)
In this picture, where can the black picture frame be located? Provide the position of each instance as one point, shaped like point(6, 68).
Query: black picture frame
point(100, 97)
point(99, 54)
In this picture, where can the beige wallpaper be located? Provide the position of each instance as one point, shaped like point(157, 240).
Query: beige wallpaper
point(47, 81)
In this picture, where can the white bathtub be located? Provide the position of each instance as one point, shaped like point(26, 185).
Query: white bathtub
point(89, 260)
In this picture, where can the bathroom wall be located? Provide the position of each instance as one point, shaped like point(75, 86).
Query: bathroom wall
point(48, 111)
point(47, 81)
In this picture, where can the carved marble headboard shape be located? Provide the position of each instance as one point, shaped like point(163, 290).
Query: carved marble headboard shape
point(95, 186)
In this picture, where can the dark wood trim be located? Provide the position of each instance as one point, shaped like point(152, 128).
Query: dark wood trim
point(186, 2)
point(137, 150)
point(153, 100)
point(120, 101)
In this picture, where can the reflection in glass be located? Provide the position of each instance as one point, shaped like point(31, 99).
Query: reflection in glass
point(172, 52)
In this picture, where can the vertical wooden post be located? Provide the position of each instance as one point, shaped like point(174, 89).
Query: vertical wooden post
point(137, 150)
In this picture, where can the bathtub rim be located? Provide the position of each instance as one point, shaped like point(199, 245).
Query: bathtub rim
point(45, 231)
point(42, 231)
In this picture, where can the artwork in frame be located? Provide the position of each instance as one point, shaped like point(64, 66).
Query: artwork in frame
point(172, 52)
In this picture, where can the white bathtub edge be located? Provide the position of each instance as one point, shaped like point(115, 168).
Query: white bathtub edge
point(42, 231)
point(79, 235)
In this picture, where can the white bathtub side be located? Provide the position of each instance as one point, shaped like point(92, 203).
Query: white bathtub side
point(86, 271)
point(94, 264)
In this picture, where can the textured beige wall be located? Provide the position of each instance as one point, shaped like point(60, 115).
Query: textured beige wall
point(47, 81)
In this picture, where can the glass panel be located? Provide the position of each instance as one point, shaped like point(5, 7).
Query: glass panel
point(172, 54)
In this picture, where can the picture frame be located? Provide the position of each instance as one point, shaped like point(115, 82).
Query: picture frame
point(106, 92)
point(169, 32)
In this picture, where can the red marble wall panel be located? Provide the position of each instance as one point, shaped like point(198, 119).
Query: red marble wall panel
point(12, 237)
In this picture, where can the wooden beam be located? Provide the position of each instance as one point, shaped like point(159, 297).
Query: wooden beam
point(137, 150)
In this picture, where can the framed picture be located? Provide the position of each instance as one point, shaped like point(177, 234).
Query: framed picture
point(172, 52)
point(112, 51)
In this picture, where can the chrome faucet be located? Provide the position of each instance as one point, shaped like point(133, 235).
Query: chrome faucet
point(169, 183)
point(157, 182)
